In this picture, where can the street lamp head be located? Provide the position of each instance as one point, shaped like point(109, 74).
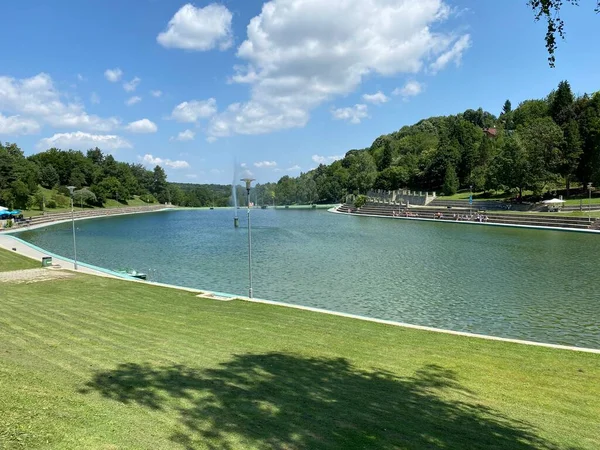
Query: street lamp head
point(71, 189)
point(589, 186)
point(248, 182)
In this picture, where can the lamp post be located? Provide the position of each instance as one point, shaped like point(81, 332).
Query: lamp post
point(589, 186)
point(471, 199)
point(71, 189)
point(248, 182)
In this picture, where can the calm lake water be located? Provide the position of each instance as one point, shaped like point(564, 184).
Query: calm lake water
point(527, 284)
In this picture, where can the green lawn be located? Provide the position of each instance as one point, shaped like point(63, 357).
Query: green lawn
point(110, 203)
point(464, 195)
point(95, 363)
point(14, 261)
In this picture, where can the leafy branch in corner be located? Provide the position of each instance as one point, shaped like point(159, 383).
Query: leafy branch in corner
point(550, 10)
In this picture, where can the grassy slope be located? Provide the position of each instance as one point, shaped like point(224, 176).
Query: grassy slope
point(13, 261)
point(104, 364)
point(464, 195)
point(110, 203)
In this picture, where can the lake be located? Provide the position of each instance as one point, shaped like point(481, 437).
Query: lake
point(510, 282)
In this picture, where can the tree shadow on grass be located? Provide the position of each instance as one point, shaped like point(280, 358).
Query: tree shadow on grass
point(286, 401)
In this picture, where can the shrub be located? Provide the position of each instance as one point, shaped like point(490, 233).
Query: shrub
point(62, 201)
point(147, 198)
point(51, 204)
point(360, 201)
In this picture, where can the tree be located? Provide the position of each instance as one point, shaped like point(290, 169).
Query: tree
point(362, 172)
point(561, 104)
point(589, 129)
point(386, 157)
point(159, 185)
point(20, 194)
point(77, 178)
point(528, 111)
point(391, 178)
point(510, 169)
point(286, 190)
point(48, 176)
point(549, 10)
point(507, 108)
point(571, 151)
point(84, 196)
point(450, 181)
point(543, 140)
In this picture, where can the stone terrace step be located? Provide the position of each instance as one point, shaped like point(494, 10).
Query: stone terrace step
point(514, 219)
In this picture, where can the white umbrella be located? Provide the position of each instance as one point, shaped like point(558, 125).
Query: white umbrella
point(553, 201)
point(3, 208)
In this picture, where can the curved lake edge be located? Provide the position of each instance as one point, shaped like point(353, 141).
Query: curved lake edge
point(334, 210)
point(100, 215)
point(37, 252)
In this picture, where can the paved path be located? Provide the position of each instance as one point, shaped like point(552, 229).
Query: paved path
point(15, 245)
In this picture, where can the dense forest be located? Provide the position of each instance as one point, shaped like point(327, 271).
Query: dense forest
point(542, 145)
point(40, 181)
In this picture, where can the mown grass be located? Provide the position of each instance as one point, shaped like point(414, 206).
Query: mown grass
point(99, 363)
point(575, 200)
point(110, 203)
point(13, 261)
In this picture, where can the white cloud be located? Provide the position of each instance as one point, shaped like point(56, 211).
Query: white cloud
point(211, 139)
point(132, 85)
point(156, 93)
point(243, 165)
point(326, 159)
point(199, 29)
point(191, 175)
point(17, 125)
point(299, 54)
point(352, 114)
point(94, 98)
point(37, 98)
point(113, 75)
point(142, 126)
point(215, 171)
point(150, 160)
point(410, 89)
point(265, 164)
point(194, 110)
point(187, 135)
point(133, 100)
point(377, 98)
point(81, 77)
point(82, 141)
point(293, 168)
point(452, 55)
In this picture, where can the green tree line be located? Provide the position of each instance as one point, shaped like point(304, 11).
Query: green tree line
point(543, 144)
point(97, 177)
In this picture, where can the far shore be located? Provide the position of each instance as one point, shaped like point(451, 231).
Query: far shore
point(509, 225)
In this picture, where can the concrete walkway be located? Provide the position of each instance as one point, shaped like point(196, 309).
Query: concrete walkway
point(16, 245)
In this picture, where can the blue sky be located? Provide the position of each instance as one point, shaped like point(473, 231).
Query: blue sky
point(278, 86)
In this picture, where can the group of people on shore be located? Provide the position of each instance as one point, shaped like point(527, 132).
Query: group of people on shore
point(405, 213)
point(462, 217)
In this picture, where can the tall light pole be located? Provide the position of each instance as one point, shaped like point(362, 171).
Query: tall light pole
point(471, 199)
point(589, 186)
point(248, 182)
point(71, 189)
